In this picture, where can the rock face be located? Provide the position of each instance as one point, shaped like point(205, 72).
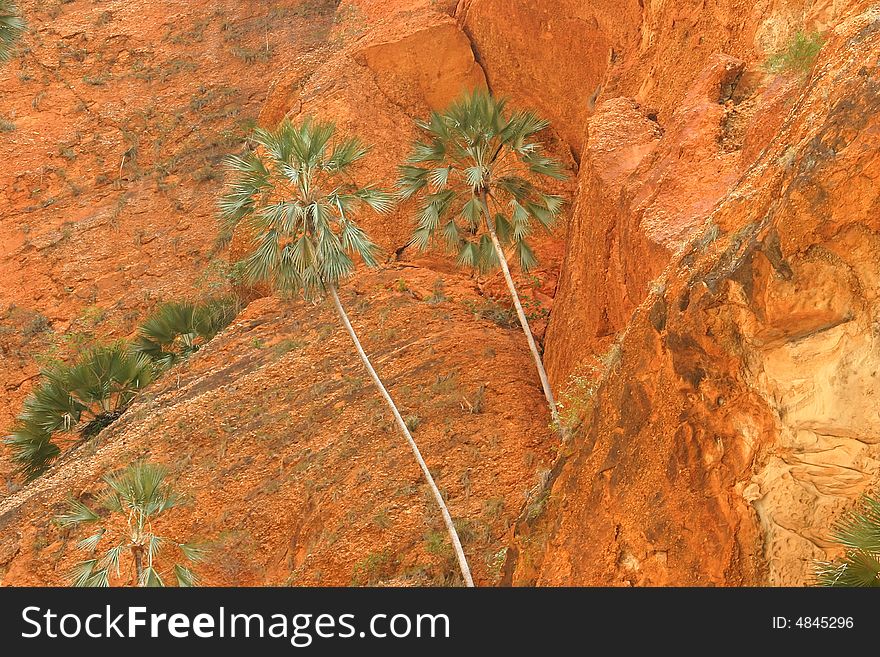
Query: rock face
point(714, 290)
point(551, 56)
point(736, 417)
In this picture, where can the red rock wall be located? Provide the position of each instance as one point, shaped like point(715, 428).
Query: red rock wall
point(736, 418)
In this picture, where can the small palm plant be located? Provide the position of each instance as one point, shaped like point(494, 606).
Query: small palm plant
point(84, 397)
point(473, 171)
point(138, 494)
point(295, 196)
point(178, 329)
point(11, 28)
point(858, 531)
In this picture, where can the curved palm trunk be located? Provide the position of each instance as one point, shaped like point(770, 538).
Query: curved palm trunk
point(524, 322)
point(447, 519)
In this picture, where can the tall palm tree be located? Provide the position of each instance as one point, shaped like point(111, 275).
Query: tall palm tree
point(858, 531)
point(85, 396)
point(296, 197)
point(11, 28)
point(473, 170)
point(140, 494)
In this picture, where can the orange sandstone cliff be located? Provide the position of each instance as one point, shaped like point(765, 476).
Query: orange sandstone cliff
point(709, 305)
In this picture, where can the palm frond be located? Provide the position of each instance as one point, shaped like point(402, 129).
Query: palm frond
point(11, 28)
point(178, 329)
point(32, 449)
point(193, 552)
point(77, 513)
point(478, 150)
point(858, 531)
point(303, 220)
point(90, 543)
point(382, 202)
point(151, 578)
point(345, 153)
point(525, 256)
point(411, 181)
point(185, 577)
point(82, 572)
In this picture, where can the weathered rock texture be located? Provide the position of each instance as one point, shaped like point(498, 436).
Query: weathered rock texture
point(737, 416)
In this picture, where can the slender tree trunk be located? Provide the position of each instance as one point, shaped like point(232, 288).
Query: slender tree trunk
point(524, 322)
point(447, 519)
point(137, 552)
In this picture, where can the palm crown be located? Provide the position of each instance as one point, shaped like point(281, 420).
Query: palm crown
point(178, 329)
point(140, 494)
point(11, 28)
point(86, 396)
point(858, 532)
point(297, 199)
point(474, 164)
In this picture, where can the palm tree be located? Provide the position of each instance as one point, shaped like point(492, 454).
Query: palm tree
point(140, 494)
point(86, 396)
point(296, 197)
point(472, 171)
point(859, 532)
point(11, 28)
point(178, 329)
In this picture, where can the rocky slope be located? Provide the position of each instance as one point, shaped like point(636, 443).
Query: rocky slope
point(712, 296)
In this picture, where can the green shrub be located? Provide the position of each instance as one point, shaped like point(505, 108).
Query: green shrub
point(798, 55)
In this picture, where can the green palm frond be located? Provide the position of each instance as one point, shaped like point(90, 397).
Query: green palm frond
point(77, 513)
point(858, 531)
point(112, 557)
point(11, 28)
point(193, 552)
point(141, 487)
point(81, 574)
point(177, 330)
point(303, 213)
point(85, 396)
point(108, 377)
point(90, 543)
point(32, 449)
point(485, 161)
point(185, 577)
point(140, 493)
point(151, 578)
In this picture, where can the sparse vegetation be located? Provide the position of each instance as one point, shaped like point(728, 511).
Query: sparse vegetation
point(580, 393)
point(858, 532)
point(494, 312)
point(798, 55)
point(438, 295)
point(473, 172)
point(140, 495)
point(374, 568)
